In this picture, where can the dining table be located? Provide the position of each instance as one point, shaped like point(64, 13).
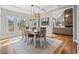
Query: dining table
point(33, 32)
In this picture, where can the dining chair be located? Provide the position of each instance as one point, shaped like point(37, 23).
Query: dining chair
point(29, 36)
point(34, 27)
point(24, 32)
point(42, 35)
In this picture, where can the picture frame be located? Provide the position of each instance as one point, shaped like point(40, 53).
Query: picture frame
point(45, 21)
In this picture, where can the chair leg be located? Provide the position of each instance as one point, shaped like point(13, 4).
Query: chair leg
point(41, 42)
point(45, 40)
point(32, 39)
point(25, 38)
point(22, 37)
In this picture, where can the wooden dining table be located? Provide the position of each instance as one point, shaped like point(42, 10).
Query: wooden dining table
point(33, 32)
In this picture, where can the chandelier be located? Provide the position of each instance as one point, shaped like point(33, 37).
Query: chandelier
point(34, 14)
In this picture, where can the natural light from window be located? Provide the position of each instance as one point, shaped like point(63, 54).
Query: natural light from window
point(10, 23)
point(20, 21)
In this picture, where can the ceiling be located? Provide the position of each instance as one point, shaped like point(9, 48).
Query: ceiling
point(36, 8)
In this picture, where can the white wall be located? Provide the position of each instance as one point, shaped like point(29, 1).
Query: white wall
point(58, 13)
point(55, 14)
point(4, 26)
point(75, 23)
point(78, 24)
point(4, 22)
point(0, 20)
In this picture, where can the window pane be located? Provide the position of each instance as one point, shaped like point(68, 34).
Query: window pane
point(20, 21)
point(10, 23)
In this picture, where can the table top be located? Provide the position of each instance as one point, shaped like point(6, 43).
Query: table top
point(33, 31)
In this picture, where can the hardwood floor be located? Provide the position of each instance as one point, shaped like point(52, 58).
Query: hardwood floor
point(5, 47)
point(68, 46)
point(19, 46)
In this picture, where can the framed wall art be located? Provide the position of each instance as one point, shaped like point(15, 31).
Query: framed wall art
point(44, 21)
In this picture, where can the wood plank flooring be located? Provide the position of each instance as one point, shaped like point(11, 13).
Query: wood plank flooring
point(19, 46)
point(5, 47)
point(68, 46)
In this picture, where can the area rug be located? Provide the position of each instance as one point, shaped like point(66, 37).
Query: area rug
point(21, 47)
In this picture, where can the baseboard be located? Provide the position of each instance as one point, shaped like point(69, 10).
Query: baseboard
point(5, 37)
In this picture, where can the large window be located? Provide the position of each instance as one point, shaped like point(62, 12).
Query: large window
point(10, 23)
point(20, 21)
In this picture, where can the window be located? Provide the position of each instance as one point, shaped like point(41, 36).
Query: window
point(20, 21)
point(10, 23)
point(34, 22)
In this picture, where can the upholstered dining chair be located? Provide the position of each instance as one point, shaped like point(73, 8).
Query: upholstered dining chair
point(42, 35)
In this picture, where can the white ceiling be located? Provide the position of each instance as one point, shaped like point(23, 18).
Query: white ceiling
point(50, 7)
point(27, 8)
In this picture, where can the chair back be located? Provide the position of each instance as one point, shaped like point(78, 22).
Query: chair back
point(42, 32)
point(24, 30)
